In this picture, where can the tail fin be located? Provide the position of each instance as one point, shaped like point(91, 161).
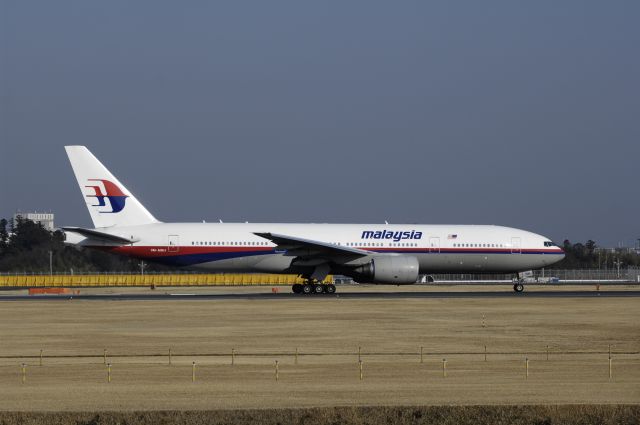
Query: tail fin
point(108, 201)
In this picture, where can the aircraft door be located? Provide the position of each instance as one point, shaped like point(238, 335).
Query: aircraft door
point(173, 243)
point(434, 244)
point(516, 247)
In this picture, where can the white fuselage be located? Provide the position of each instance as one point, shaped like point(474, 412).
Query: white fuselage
point(389, 253)
point(234, 247)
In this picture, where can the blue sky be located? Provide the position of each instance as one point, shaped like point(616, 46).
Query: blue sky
point(524, 114)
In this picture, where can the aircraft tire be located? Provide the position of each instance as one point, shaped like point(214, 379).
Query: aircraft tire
point(518, 287)
point(330, 288)
point(307, 289)
point(318, 289)
point(296, 288)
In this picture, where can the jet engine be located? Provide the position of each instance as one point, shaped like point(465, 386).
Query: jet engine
point(389, 269)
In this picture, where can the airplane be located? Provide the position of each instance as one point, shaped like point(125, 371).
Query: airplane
point(395, 254)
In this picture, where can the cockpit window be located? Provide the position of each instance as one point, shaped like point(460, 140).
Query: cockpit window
point(548, 243)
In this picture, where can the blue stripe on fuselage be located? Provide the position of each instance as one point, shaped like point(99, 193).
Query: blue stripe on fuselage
point(192, 259)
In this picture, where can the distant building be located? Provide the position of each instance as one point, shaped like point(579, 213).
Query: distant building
point(46, 219)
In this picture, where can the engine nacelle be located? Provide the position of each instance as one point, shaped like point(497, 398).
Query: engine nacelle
point(389, 269)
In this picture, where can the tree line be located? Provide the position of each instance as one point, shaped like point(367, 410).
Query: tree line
point(588, 256)
point(26, 247)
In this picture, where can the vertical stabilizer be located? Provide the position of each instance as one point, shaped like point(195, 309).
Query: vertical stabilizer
point(108, 201)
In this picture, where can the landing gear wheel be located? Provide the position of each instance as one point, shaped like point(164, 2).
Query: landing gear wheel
point(518, 287)
point(330, 288)
point(318, 288)
point(307, 288)
point(297, 288)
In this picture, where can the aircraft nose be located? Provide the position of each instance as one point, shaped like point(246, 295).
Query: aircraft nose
point(562, 253)
point(559, 256)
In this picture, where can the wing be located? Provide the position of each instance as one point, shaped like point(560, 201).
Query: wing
point(307, 248)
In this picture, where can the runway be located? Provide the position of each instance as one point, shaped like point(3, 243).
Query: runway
point(346, 295)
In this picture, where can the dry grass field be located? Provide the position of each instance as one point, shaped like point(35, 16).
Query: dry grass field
point(327, 333)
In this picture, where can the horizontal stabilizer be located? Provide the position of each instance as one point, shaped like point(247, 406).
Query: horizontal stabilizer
point(100, 236)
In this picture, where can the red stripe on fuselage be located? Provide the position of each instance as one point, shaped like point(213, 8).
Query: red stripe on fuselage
point(418, 250)
point(166, 251)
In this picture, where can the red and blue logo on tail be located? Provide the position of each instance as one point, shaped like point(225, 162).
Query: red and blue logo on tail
point(112, 192)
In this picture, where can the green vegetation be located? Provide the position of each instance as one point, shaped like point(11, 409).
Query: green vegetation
point(476, 415)
point(589, 256)
point(25, 247)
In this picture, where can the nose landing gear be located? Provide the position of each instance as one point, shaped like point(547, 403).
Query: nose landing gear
point(518, 282)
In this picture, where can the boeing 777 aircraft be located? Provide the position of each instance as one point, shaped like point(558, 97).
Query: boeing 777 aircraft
point(376, 253)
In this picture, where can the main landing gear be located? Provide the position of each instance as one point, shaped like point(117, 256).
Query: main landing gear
point(313, 288)
point(518, 287)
